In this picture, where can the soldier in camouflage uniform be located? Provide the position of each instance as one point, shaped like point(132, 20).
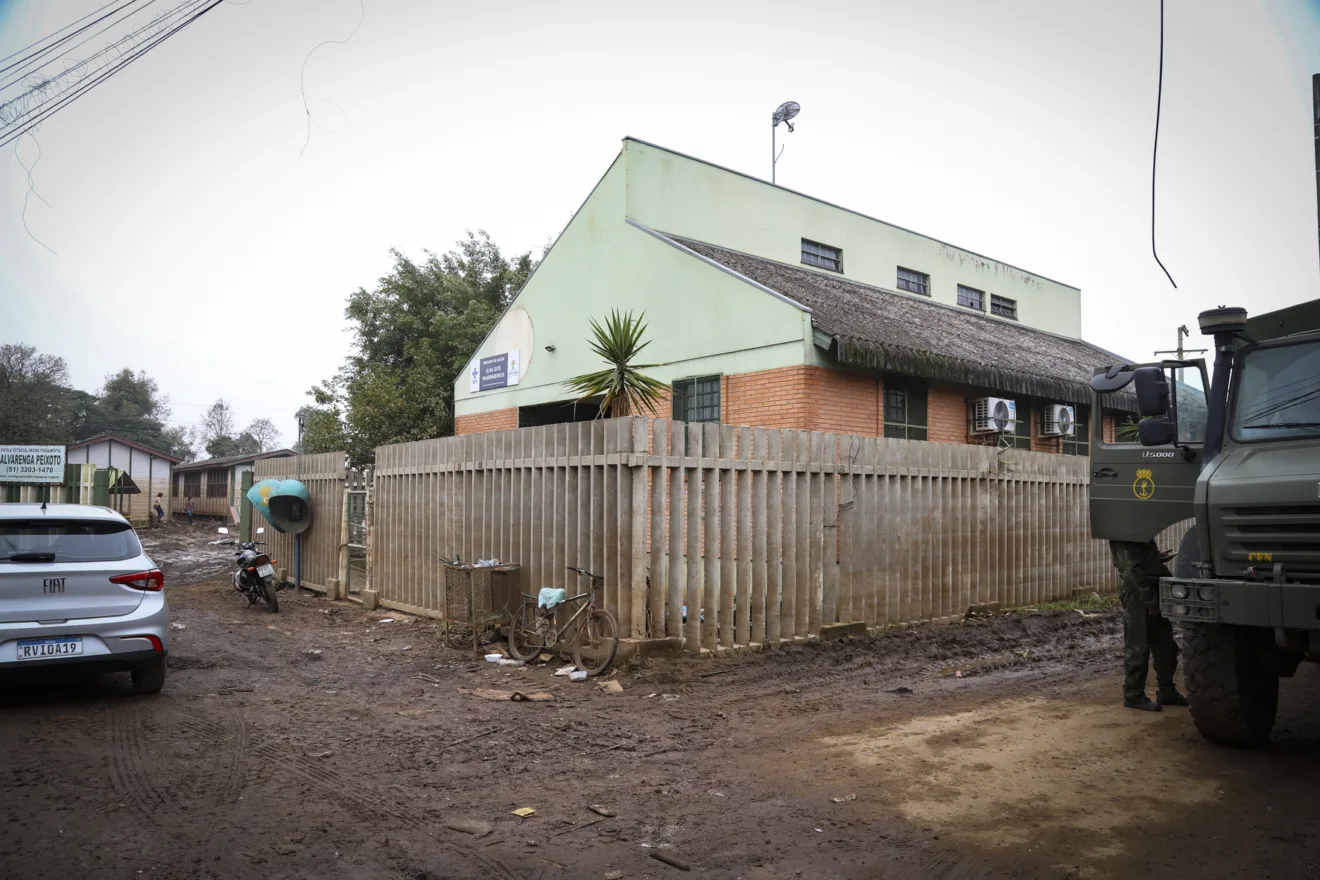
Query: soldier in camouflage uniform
point(1146, 634)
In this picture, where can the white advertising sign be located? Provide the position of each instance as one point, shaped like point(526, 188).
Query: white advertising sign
point(31, 464)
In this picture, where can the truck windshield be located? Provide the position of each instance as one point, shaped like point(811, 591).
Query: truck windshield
point(1278, 394)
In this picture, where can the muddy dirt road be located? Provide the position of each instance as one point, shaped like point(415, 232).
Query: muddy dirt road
point(858, 760)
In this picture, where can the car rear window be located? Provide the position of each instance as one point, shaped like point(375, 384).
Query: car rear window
point(69, 540)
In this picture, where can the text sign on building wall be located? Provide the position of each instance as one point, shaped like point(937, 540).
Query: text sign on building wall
point(496, 371)
point(31, 464)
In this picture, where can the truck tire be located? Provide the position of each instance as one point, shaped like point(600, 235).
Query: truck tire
point(1232, 682)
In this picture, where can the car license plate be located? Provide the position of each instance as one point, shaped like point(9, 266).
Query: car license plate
point(37, 649)
point(266, 571)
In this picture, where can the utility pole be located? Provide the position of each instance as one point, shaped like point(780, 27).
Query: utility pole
point(1183, 333)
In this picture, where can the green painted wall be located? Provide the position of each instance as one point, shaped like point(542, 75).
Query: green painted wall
point(682, 196)
point(701, 319)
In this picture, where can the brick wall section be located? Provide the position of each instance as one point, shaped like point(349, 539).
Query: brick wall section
point(494, 420)
point(842, 402)
point(767, 398)
point(946, 414)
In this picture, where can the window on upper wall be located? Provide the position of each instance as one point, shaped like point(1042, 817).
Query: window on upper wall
point(971, 298)
point(822, 256)
point(697, 400)
point(905, 409)
point(1080, 442)
point(1003, 306)
point(192, 484)
point(913, 282)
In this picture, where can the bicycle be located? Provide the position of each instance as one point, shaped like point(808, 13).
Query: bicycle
point(534, 629)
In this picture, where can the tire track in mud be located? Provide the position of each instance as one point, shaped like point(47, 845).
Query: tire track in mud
point(355, 793)
point(152, 786)
point(155, 785)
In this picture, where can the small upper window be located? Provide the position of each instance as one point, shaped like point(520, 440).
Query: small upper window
point(822, 256)
point(1003, 306)
point(913, 282)
point(971, 298)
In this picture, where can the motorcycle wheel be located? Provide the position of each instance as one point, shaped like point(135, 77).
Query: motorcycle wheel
point(268, 590)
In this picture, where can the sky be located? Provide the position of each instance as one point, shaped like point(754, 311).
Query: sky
point(197, 230)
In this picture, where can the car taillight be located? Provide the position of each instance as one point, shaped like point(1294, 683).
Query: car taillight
point(151, 581)
point(155, 641)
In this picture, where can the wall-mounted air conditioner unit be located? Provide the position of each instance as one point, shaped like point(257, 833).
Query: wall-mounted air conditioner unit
point(1058, 420)
point(994, 415)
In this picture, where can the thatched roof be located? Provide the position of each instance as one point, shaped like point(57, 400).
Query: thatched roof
point(908, 334)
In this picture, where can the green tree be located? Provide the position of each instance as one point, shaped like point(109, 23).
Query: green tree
point(323, 430)
point(622, 387)
point(36, 403)
point(413, 336)
point(131, 405)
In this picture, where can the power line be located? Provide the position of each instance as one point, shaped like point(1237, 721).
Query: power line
point(97, 79)
point(1155, 153)
point(31, 70)
point(42, 91)
point(50, 36)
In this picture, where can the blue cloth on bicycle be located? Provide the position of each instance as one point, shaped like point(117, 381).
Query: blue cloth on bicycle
point(549, 597)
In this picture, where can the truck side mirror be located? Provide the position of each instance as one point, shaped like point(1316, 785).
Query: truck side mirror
point(1157, 431)
point(1152, 392)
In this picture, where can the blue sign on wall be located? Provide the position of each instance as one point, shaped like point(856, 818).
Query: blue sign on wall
point(496, 371)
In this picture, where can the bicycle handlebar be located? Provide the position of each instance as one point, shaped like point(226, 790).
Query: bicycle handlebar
point(583, 571)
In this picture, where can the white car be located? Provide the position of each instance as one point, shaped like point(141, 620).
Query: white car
point(76, 588)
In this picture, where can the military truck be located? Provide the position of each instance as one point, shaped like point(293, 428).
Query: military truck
point(1243, 461)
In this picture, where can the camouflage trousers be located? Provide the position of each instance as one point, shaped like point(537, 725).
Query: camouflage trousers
point(1146, 634)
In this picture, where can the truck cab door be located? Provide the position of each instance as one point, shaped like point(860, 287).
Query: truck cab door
point(1139, 491)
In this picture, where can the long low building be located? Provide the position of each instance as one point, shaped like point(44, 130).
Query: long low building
point(772, 308)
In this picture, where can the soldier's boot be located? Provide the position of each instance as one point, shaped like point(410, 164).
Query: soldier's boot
point(1142, 702)
point(1171, 697)
point(1164, 657)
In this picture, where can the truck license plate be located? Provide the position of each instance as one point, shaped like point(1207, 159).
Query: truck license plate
point(37, 649)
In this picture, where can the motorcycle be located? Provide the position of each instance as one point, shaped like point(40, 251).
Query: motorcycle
point(255, 576)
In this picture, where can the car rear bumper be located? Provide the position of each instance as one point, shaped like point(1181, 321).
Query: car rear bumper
point(109, 642)
point(1242, 603)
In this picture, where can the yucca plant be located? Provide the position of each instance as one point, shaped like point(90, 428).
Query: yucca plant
point(1126, 432)
point(622, 388)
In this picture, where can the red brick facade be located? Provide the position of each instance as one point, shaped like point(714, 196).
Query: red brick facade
point(819, 399)
point(480, 423)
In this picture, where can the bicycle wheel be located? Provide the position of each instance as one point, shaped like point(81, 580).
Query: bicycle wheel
point(525, 637)
point(596, 643)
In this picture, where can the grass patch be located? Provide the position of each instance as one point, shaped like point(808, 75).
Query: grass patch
point(1091, 602)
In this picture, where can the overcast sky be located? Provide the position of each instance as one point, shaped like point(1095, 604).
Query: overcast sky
point(197, 239)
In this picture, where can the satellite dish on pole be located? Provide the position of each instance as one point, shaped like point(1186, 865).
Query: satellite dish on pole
point(783, 113)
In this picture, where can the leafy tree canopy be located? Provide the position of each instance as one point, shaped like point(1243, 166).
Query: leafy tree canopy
point(414, 334)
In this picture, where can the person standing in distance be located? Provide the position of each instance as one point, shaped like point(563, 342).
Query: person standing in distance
point(1146, 634)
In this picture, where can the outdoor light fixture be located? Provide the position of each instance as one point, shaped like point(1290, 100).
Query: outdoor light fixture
point(785, 112)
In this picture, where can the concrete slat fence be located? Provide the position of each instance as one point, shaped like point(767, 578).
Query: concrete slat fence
point(764, 535)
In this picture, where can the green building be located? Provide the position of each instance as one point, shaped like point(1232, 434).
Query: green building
point(768, 307)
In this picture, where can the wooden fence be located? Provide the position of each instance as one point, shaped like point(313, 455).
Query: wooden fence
point(323, 544)
point(770, 533)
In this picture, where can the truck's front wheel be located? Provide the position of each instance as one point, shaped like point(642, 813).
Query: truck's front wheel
point(1232, 682)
